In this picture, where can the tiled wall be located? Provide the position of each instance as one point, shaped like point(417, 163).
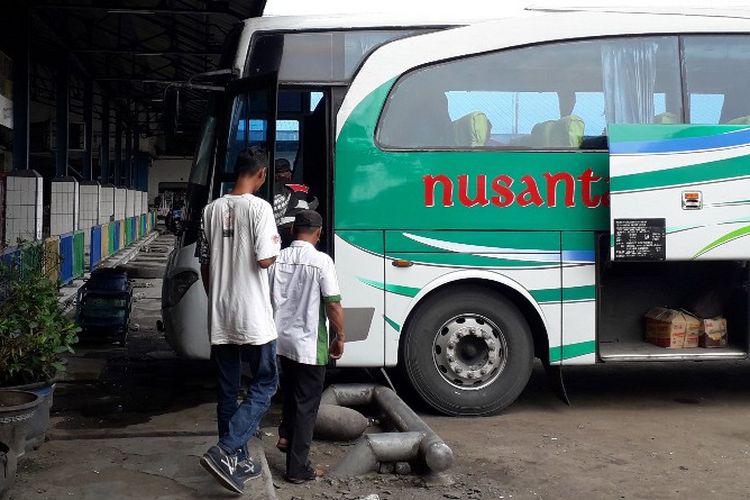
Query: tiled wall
point(130, 203)
point(120, 201)
point(106, 204)
point(64, 206)
point(90, 206)
point(23, 208)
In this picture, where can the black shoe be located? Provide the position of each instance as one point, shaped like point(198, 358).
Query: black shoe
point(224, 467)
point(248, 469)
point(311, 474)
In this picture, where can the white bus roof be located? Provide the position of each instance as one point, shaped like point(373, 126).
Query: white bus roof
point(481, 13)
point(363, 21)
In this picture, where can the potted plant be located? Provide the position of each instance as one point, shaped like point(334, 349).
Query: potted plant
point(34, 334)
point(17, 410)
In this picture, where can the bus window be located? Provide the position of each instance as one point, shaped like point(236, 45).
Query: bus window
point(248, 127)
point(323, 56)
point(315, 98)
point(552, 96)
point(717, 69)
point(287, 139)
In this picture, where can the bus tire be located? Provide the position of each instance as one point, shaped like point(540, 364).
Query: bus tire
point(467, 352)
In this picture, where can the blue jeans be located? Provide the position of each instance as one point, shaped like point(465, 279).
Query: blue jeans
point(237, 424)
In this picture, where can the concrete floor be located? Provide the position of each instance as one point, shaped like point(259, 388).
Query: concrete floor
point(132, 422)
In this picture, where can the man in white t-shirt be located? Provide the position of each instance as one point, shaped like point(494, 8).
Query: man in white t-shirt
point(304, 290)
point(238, 243)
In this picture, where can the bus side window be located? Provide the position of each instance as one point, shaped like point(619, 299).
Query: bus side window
point(549, 96)
point(717, 69)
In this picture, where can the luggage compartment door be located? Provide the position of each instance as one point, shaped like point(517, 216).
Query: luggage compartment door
point(679, 192)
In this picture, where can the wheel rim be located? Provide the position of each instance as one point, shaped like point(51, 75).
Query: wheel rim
point(469, 351)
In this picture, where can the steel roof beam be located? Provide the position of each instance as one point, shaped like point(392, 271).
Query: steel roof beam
point(146, 53)
point(134, 11)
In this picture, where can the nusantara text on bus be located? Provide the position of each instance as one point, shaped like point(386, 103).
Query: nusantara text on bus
point(552, 190)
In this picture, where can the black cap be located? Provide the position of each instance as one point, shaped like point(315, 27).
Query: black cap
point(308, 218)
point(282, 165)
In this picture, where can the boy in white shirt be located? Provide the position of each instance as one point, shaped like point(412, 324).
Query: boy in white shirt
point(238, 243)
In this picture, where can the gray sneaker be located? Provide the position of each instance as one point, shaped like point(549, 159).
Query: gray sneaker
point(248, 469)
point(224, 467)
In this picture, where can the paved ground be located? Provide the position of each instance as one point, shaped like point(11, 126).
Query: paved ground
point(132, 422)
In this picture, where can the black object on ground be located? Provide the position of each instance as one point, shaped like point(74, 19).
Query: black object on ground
point(104, 304)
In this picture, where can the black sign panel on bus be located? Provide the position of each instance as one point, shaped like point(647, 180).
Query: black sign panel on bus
point(640, 239)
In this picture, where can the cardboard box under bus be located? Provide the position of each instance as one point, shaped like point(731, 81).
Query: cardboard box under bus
point(671, 328)
point(713, 332)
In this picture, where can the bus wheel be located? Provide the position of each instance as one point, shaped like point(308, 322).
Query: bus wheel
point(468, 352)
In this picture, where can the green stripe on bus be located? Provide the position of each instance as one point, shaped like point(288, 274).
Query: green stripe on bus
point(571, 350)
point(712, 171)
point(733, 235)
point(469, 260)
point(406, 291)
point(393, 324)
point(629, 133)
point(585, 292)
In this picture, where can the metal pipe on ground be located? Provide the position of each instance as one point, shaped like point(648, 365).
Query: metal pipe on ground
point(436, 454)
point(375, 448)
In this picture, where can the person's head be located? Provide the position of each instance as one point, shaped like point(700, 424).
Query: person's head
point(308, 224)
point(251, 167)
point(283, 171)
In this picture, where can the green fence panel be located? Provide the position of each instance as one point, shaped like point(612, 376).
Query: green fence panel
point(111, 228)
point(79, 254)
point(128, 232)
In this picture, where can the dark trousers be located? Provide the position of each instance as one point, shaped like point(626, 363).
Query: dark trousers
point(237, 424)
point(302, 386)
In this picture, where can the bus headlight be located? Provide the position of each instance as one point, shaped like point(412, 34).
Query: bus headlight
point(177, 287)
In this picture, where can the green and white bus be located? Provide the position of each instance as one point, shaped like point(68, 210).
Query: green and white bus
point(518, 188)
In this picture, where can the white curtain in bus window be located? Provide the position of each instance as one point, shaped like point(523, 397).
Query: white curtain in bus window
point(638, 76)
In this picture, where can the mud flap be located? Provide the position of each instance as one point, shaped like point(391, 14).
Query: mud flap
point(556, 382)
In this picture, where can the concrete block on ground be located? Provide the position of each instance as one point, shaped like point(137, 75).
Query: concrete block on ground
point(23, 206)
point(106, 204)
point(120, 203)
point(130, 203)
point(90, 196)
point(64, 205)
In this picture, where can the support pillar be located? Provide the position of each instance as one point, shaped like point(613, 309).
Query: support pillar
point(23, 206)
point(21, 93)
point(107, 191)
point(104, 158)
point(62, 103)
point(135, 164)
point(88, 130)
point(118, 151)
point(128, 157)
